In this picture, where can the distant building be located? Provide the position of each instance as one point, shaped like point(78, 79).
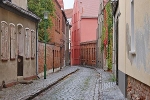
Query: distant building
point(132, 47)
point(83, 32)
point(68, 13)
point(18, 41)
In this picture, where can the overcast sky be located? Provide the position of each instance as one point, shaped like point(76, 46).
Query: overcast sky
point(68, 4)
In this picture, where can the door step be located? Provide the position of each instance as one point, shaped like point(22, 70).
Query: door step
point(25, 81)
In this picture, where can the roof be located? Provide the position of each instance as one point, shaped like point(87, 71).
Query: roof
point(90, 8)
point(63, 12)
point(88, 42)
point(68, 13)
point(20, 11)
point(61, 3)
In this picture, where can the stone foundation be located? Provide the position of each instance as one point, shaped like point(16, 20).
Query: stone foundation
point(137, 90)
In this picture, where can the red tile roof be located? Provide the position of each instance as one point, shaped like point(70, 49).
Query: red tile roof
point(90, 8)
point(68, 13)
point(61, 3)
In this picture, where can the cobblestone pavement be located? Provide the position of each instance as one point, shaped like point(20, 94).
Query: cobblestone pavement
point(21, 91)
point(86, 84)
point(108, 88)
point(79, 86)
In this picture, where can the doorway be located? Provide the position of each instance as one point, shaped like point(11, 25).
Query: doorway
point(20, 49)
point(20, 66)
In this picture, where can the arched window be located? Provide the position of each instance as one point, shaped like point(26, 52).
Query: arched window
point(12, 41)
point(4, 41)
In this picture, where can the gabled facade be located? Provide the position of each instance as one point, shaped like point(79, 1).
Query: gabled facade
point(18, 42)
point(84, 24)
point(131, 45)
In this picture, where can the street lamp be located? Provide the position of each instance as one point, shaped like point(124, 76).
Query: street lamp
point(45, 18)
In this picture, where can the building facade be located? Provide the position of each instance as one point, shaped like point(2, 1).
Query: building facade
point(18, 42)
point(84, 24)
point(131, 45)
point(68, 13)
point(56, 47)
point(99, 52)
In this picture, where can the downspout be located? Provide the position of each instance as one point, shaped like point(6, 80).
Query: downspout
point(37, 51)
point(114, 69)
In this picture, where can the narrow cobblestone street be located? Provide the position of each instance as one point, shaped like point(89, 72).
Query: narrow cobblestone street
point(86, 84)
point(71, 83)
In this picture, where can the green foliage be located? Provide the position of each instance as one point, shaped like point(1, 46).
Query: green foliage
point(110, 37)
point(109, 21)
point(102, 38)
point(112, 78)
point(38, 7)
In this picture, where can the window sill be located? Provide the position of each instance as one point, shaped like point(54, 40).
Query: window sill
point(132, 52)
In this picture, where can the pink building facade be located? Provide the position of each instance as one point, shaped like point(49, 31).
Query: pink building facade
point(84, 24)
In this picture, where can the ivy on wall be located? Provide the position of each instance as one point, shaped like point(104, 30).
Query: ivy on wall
point(38, 7)
point(109, 44)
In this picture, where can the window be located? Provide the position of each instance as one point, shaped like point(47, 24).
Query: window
point(12, 41)
point(27, 42)
point(59, 26)
point(9, 0)
point(4, 41)
point(75, 35)
point(132, 28)
point(33, 41)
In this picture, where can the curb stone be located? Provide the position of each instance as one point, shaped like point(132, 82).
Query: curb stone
point(33, 95)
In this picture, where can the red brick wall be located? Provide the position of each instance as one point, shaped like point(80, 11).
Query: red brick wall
point(49, 56)
point(55, 33)
point(137, 90)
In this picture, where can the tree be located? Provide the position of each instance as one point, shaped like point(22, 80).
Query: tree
point(38, 7)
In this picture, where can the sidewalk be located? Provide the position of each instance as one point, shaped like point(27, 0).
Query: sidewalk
point(23, 91)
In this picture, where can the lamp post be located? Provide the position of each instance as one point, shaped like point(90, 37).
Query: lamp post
point(45, 18)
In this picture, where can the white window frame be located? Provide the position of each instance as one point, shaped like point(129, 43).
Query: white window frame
point(132, 30)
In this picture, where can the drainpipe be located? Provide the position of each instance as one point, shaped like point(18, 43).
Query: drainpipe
point(114, 69)
point(37, 51)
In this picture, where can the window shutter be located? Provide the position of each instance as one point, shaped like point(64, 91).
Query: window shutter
point(32, 44)
point(12, 42)
point(28, 43)
point(4, 41)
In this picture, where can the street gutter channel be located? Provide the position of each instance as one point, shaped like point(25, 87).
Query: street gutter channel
point(49, 86)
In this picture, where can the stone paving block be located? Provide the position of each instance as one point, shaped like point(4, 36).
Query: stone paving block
point(21, 91)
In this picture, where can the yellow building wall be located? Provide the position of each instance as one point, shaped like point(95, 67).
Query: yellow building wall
point(8, 69)
point(138, 66)
point(121, 36)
